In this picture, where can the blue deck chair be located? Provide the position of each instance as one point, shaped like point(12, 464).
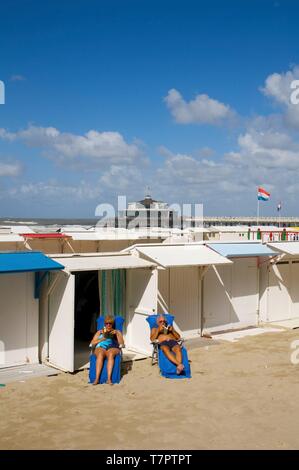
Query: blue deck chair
point(168, 368)
point(116, 373)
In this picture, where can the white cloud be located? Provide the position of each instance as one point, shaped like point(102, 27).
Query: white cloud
point(266, 154)
point(96, 148)
point(201, 110)
point(122, 178)
point(164, 151)
point(271, 150)
point(121, 167)
point(17, 78)
point(278, 87)
point(205, 152)
point(184, 178)
point(50, 191)
point(10, 169)
point(5, 135)
point(268, 157)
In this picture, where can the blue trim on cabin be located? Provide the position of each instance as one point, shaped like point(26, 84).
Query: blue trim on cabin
point(232, 250)
point(27, 261)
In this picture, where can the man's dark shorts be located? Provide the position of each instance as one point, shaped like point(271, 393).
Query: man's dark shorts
point(170, 343)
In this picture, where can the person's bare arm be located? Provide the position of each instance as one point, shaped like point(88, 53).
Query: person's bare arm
point(95, 340)
point(155, 333)
point(175, 333)
point(120, 338)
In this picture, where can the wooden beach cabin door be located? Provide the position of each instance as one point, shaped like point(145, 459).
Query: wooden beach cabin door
point(185, 299)
point(61, 323)
point(231, 295)
point(279, 302)
point(217, 298)
point(142, 288)
point(244, 305)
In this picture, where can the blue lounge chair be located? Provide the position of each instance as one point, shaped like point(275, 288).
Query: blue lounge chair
point(116, 373)
point(168, 368)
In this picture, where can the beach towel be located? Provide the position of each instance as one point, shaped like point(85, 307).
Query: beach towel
point(168, 368)
point(116, 372)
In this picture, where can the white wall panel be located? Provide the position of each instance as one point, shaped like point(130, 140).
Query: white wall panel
point(217, 293)
point(245, 289)
point(142, 285)
point(279, 302)
point(18, 319)
point(185, 299)
point(61, 323)
point(163, 291)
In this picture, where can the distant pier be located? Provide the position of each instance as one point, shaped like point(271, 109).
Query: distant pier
point(263, 221)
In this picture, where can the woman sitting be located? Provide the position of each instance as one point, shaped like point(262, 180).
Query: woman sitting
point(107, 343)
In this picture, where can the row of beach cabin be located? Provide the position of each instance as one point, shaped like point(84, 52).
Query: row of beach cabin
point(49, 303)
point(76, 240)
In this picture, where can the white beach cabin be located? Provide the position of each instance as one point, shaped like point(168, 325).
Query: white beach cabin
point(279, 287)
point(20, 274)
point(73, 299)
point(11, 242)
point(181, 270)
point(108, 240)
point(231, 293)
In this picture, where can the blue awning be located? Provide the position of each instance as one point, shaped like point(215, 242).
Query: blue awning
point(25, 261)
point(241, 249)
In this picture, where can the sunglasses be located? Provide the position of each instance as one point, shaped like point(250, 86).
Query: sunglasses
point(161, 321)
point(108, 323)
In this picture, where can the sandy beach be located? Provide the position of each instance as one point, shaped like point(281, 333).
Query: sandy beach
point(242, 395)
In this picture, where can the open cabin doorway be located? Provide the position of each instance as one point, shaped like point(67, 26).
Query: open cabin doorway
point(87, 308)
point(97, 293)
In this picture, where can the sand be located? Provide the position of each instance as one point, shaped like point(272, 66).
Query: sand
point(242, 395)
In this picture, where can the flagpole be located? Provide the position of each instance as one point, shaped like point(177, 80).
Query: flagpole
point(279, 214)
point(258, 211)
point(279, 218)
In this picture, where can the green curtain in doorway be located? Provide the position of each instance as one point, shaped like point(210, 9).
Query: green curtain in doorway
point(112, 291)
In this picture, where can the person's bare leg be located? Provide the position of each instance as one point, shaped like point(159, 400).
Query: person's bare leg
point(101, 354)
point(111, 353)
point(169, 355)
point(178, 353)
point(179, 357)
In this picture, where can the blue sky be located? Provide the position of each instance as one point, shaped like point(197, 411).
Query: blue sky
point(104, 98)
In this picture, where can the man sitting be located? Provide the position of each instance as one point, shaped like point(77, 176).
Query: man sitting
point(168, 338)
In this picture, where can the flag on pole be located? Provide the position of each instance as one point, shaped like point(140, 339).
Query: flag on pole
point(262, 194)
point(279, 207)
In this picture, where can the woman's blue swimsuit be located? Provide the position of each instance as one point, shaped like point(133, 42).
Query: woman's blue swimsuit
point(107, 343)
